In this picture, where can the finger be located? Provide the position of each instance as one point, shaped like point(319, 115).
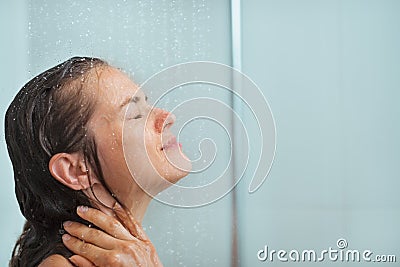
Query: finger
point(127, 219)
point(87, 250)
point(80, 261)
point(105, 222)
point(141, 232)
point(90, 235)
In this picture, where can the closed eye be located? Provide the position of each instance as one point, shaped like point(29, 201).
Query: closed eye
point(136, 117)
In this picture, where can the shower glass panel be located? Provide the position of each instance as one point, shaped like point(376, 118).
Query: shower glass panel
point(143, 38)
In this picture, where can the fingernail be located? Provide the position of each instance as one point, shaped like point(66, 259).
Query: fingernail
point(73, 260)
point(83, 208)
point(67, 223)
point(66, 237)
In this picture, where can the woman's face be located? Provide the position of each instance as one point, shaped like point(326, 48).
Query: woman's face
point(134, 142)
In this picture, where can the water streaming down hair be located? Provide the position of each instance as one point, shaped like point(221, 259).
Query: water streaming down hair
point(49, 115)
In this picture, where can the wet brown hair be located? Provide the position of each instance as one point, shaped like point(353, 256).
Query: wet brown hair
point(49, 115)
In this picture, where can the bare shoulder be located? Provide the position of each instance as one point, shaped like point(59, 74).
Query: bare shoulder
point(55, 260)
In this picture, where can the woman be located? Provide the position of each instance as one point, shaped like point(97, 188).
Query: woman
point(88, 152)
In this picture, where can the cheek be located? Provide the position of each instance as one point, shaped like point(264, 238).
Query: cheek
point(139, 140)
point(152, 141)
point(158, 124)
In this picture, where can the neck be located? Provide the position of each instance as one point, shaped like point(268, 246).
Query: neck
point(137, 204)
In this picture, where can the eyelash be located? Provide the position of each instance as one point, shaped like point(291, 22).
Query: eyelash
point(136, 117)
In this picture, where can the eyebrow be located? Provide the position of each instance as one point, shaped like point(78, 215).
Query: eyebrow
point(134, 99)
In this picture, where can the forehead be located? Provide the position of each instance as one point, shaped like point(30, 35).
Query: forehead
point(115, 86)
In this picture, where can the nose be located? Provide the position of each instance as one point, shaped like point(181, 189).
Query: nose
point(163, 119)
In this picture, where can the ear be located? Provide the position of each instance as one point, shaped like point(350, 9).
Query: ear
point(70, 170)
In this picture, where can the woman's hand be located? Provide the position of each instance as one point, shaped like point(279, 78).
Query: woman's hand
point(116, 245)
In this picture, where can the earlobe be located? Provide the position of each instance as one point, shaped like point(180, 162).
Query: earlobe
point(69, 170)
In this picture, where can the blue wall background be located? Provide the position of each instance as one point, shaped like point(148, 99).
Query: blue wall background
point(330, 70)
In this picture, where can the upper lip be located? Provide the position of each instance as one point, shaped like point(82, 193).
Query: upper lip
point(171, 141)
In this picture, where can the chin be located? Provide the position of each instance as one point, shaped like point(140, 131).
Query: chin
point(172, 167)
point(179, 165)
point(177, 171)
